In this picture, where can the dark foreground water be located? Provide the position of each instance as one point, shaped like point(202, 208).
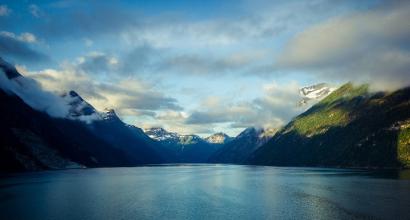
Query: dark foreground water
point(205, 192)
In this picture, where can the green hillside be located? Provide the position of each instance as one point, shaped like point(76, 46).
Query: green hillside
point(349, 128)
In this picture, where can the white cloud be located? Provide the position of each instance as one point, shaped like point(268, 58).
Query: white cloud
point(23, 37)
point(33, 95)
point(28, 37)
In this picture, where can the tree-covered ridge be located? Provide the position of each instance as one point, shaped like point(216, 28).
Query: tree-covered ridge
point(351, 127)
point(329, 112)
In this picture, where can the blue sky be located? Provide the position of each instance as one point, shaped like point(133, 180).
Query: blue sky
point(205, 66)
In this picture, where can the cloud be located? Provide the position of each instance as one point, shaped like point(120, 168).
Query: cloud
point(372, 46)
point(128, 96)
point(97, 63)
point(18, 47)
point(277, 106)
point(24, 37)
point(33, 95)
point(190, 63)
point(4, 10)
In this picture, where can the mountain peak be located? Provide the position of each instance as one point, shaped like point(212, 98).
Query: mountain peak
point(218, 138)
point(109, 114)
point(160, 134)
point(314, 92)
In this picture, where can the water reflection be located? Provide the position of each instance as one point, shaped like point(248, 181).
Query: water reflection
point(206, 192)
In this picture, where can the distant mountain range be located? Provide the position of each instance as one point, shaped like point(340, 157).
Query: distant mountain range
point(348, 127)
point(178, 148)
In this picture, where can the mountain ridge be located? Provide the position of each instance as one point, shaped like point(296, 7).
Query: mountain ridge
point(349, 128)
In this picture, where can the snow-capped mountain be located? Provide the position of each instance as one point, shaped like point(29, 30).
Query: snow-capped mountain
point(218, 138)
point(181, 148)
point(160, 134)
point(314, 92)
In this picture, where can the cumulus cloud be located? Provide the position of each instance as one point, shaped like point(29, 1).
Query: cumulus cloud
point(4, 10)
point(372, 46)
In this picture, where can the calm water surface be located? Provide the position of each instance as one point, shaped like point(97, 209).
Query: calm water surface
point(206, 192)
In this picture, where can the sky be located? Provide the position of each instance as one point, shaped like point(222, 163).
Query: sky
point(205, 66)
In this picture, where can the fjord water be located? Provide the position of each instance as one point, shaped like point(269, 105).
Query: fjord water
point(205, 192)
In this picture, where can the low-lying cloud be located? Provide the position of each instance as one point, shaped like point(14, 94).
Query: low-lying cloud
point(33, 95)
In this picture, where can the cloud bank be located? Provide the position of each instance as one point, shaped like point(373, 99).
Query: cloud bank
point(373, 46)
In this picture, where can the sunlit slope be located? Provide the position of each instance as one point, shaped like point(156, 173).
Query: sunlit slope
point(350, 128)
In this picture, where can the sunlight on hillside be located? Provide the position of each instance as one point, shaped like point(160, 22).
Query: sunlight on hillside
point(403, 142)
point(346, 92)
point(320, 122)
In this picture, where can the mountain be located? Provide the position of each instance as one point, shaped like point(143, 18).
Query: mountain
point(32, 140)
point(349, 128)
point(176, 148)
point(314, 92)
point(79, 108)
point(109, 127)
point(241, 147)
point(162, 135)
point(75, 136)
point(218, 138)
point(124, 137)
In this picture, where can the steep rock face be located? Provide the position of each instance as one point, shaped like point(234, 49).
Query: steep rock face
point(240, 148)
point(349, 128)
point(176, 148)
